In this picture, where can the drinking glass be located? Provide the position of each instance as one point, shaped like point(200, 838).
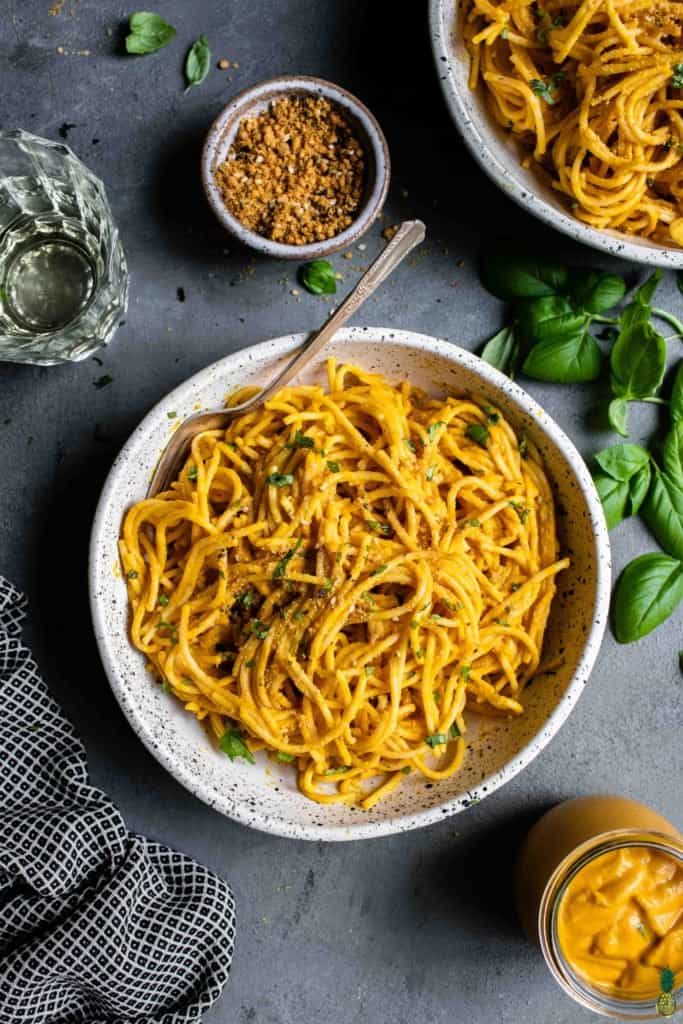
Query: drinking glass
point(63, 274)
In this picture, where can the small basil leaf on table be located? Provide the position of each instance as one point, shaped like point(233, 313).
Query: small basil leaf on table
point(522, 277)
point(502, 351)
point(548, 319)
point(198, 62)
point(148, 33)
point(676, 403)
point(617, 414)
point(638, 310)
point(637, 362)
point(622, 461)
point(648, 591)
point(596, 292)
point(614, 497)
point(318, 277)
point(663, 513)
point(570, 359)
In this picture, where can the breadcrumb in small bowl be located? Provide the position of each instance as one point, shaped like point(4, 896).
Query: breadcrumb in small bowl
point(296, 167)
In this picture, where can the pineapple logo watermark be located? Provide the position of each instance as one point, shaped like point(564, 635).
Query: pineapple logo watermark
point(666, 1003)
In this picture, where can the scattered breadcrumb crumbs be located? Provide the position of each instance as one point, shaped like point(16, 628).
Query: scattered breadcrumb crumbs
point(224, 64)
point(295, 172)
point(389, 232)
point(56, 8)
point(348, 256)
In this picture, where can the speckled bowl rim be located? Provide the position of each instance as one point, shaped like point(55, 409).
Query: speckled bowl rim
point(270, 823)
point(441, 19)
point(238, 108)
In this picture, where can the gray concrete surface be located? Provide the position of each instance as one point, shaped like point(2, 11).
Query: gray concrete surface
point(417, 927)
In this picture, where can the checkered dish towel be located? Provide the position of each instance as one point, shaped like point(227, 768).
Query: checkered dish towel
point(96, 924)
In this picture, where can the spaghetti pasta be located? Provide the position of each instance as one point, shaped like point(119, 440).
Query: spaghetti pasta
point(593, 90)
point(340, 574)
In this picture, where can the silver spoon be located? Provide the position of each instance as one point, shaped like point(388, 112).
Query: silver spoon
point(410, 234)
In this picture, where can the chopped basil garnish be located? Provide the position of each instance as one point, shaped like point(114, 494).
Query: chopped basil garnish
point(132, 575)
point(301, 441)
point(285, 758)
point(260, 629)
point(281, 567)
point(479, 433)
point(280, 479)
point(436, 740)
point(333, 467)
point(232, 743)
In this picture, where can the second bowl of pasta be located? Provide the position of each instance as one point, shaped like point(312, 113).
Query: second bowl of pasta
point(574, 111)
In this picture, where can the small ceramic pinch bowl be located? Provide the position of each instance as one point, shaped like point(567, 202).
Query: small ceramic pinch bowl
point(252, 102)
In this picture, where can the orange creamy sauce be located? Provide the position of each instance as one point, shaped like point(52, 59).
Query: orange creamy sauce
point(620, 922)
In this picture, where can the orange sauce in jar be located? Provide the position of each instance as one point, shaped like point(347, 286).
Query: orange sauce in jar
point(620, 921)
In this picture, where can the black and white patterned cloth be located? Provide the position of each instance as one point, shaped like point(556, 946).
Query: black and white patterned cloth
point(96, 924)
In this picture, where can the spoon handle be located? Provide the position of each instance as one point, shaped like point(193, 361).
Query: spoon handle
point(410, 234)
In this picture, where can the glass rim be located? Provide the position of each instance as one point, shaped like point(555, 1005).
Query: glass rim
point(569, 981)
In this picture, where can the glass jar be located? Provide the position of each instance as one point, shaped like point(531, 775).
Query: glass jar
point(558, 846)
point(63, 274)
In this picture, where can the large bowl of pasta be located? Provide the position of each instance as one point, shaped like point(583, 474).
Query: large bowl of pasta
point(574, 111)
point(364, 606)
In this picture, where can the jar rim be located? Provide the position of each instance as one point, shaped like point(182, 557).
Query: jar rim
point(566, 870)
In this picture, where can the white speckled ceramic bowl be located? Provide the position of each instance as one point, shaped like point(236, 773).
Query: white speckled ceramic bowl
point(265, 795)
point(252, 102)
point(498, 154)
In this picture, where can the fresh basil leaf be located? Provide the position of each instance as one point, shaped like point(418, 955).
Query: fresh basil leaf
point(570, 359)
point(638, 309)
point(318, 277)
point(617, 414)
point(646, 292)
point(549, 318)
point(232, 743)
point(197, 62)
point(639, 485)
point(676, 403)
point(522, 277)
point(148, 33)
point(637, 362)
point(614, 497)
point(663, 513)
point(595, 291)
point(622, 461)
point(648, 591)
point(672, 455)
point(502, 351)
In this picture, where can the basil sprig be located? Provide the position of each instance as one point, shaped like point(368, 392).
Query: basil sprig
point(197, 62)
point(148, 33)
point(554, 308)
point(630, 480)
point(553, 311)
